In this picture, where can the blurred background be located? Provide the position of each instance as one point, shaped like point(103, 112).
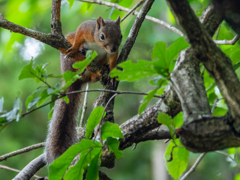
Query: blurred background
point(146, 161)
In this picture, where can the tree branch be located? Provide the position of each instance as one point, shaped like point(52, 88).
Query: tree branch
point(120, 8)
point(20, 151)
point(227, 155)
point(227, 42)
point(28, 171)
point(57, 42)
point(193, 167)
point(132, 10)
point(15, 170)
point(214, 60)
point(56, 27)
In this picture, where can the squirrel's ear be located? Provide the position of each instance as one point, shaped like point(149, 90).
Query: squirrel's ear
point(118, 20)
point(100, 22)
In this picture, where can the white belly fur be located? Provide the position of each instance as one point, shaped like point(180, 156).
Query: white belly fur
point(94, 46)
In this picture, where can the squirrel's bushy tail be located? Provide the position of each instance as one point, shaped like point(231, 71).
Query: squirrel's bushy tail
point(62, 128)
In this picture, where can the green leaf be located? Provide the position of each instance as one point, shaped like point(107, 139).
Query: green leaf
point(146, 100)
point(86, 157)
point(81, 65)
point(159, 54)
point(133, 71)
point(176, 47)
point(53, 98)
point(92, 173)
point(160, 62)
point(179, 161)
point(43, 97)
point(178, 120)
point(111, 130)
point(113, 145)
point(235, 55)
point(33, 102)
point(69, 77)
point(219, 111)
point(30, 99)
point(237, 176)
point(27, 71)
point(15, 113)
point(50, 114)
point(58, 168)
point(93, 120)
point(212, 97)
point(76, 172)
point(167, 121)
point(65, 99)
point(70, 3)
point(236, 66)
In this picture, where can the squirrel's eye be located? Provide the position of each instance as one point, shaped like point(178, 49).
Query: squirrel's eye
point(121, 37)
point(102, 37)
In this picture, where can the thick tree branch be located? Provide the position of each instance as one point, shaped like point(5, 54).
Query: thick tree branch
point(215, 61)
point(57, 42)
point(204, 133)
point(28, 171)
point(187, 79)
point(56, 27)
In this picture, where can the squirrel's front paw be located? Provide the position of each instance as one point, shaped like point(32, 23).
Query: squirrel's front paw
point(70, 52)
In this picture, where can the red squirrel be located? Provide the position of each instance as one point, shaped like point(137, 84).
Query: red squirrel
point(103, 36)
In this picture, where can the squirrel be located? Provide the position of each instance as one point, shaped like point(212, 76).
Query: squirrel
point(103, 36)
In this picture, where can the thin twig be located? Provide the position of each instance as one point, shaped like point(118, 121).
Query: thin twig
point(227, 42)
point(192, 169)
point(133, 9)
point(225, 154)
point(158, 21)
point(93, 90)
point(218, 30)
point(15, 170)
point(84, 108)
point(41, 80)
point(112, 91)
point(214, 104)
point(20, 151)
point(98, 128)
point(24, 114)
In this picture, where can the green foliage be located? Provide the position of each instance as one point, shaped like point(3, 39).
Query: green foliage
point(94, 167)
point(146, 100)
point(58, 168)
point(109, 129)
point(133, 71)
point(176, 157)
point(14, 114)
point(71, 3)
point(167, 121)
point(176, 122)
point(159, 68)
point(113, 145)
point(90, 151)
point(93, 121)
